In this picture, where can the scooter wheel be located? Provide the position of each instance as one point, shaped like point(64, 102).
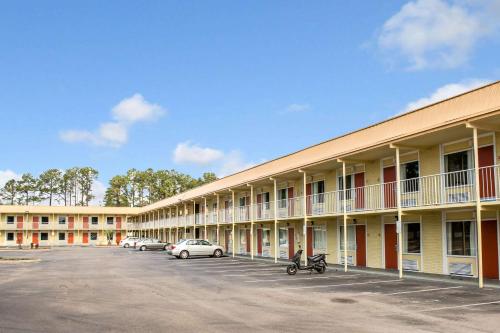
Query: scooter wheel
point(321, 269)
point(291, 270)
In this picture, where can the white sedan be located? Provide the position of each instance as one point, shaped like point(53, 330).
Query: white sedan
point(129, 241)
point(195, 247)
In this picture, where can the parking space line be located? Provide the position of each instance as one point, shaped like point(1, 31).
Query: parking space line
point(459, 306)
point(305, 278)
point(343, 284)
point(254, 274)
point(246, 270)
point(420, 291)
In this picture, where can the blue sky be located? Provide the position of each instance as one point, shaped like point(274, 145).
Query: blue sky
point(221, 85)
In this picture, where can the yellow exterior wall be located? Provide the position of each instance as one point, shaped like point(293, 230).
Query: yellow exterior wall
point(374, 242)
point(432, 244)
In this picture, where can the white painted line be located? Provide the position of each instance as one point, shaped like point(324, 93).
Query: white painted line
point(247, 274)
point(343, 284)
point(421, 291)
point(459, 306)
point(307, 278)
point(246, 270)
point(231, 267)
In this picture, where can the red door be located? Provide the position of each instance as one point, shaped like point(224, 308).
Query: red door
point(85, 239)
point(309, 241)
point(36, 220)
point(359, 182)
point(70, 238)
point(390, 187)
point(360, 245)
point(19, 221)
point(291, 205)
point(118, 237)
point(19, 239)
point(85, 222)
point(248, 240)
point(34, 238)
point(486, 172)
point(390, 246)
point(259, 206)
point(309, 198)
point(291, 242)
point(71, 222)
point(118, 222)
point(490, 246)
point(259, 242)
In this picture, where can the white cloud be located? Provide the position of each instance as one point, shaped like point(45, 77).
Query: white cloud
point(297, 108)
point(438, 33)
point(233, 162)
point(98, 190)
point(6, 175)
point(115, 134)
point(188, 153)
point(445, 92)
point(135, 108)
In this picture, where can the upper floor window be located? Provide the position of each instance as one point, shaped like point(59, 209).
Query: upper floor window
point(61, 219)
point(348, 182)
point(45, 219)
point(456, 166)
point(94, 220)
point(10, 219)
point(110, 220)
point(409, 175)
point(318, 190)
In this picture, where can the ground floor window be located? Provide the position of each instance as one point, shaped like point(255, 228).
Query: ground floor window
point(461, 238)
point(351, 238)
point(10, 236)
point(109, 236)
point(283, 236)
point(411, 237)
point(44, 236)
point(93, 236)
point(319, 237)
point(266, 237)
point(62, 236)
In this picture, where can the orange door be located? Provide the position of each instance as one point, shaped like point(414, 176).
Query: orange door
point(36, 219)
point(360, 245)
point(19, 221)
point(85, 222)
point(490, 249)
point(85, 238)
point(359, 182)
point(390, 246)
point(70, 238)
point(486, 172)
point(291, 242)
point(291, 202)
point(71, 222)
point(34, 238)
point(118, 221)
point(390, 187)
point(259, 242)
point(19, 239)
point(309, 241)
point(248, 240)
point(118, 237)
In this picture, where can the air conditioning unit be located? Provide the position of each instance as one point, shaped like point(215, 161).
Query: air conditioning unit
point(459, 268)
point(410, 265)
point(412, 202)
point(349, 260)
point(458, 197)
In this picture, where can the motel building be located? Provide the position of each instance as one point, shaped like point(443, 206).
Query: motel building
point(419, 192)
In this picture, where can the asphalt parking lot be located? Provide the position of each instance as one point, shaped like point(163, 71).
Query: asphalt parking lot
point(124, 290)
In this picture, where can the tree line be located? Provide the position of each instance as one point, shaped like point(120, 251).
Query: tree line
point(74, 187)
point(70, 187)
point(137, 188)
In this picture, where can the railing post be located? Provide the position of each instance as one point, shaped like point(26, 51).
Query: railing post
point(205, 217)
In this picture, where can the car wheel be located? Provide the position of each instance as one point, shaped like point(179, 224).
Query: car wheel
point(143, 248)
point(184, 254)
point(126, 245)
point(218, 253)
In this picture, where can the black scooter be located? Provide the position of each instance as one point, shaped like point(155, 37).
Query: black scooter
point(316, 262)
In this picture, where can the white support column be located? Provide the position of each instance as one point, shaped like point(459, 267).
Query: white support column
point(252, 218)
point(205, 217)
point(344, 204)
point(217, 217)
point(276, 246)
point(478, 211)
point(185, 219)
point(304, 209)
point(232, 223)
point(399, 226)
point(194, 219)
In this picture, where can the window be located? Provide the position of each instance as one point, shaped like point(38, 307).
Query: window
point(351, 238)
point(109, 236)
point(409, 175)
point(44, 236)
point(461, 238)
point(204, 242)
point(319, 237)
point(318, 190)
point(348, 181)
point(110, 220)
point(45, 220)
point(266, 200)
point(266, 237)
point(283, 233)
point(192, 242)
point(282, 196)
point(10, 236)
point(94, 220)
point(10, 219)
point(62, 236)
point(93, 236)
point(411, 236)
point(61, 219)
point(456, 166)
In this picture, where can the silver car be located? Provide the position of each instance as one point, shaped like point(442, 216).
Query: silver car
point(151, 244)
point(195, 247)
